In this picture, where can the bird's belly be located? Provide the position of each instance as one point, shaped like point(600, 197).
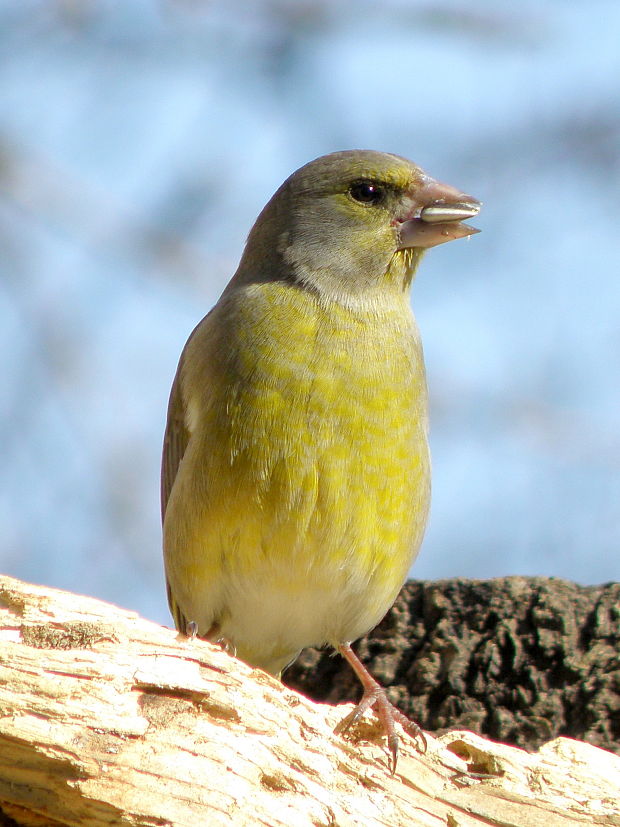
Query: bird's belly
point(269, 621)
point(322, 572)
point(315, 589)
point(306, 540)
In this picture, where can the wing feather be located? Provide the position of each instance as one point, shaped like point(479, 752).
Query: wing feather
point(176, 438)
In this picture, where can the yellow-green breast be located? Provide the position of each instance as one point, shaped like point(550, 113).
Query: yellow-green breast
point(302, 497)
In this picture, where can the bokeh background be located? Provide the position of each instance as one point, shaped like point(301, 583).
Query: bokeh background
point(139, 140)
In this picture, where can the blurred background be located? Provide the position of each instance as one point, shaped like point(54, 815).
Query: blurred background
point(138, 142)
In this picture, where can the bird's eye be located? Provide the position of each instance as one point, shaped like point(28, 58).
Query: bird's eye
point(367, 192)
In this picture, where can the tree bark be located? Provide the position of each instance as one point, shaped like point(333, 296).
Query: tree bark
point(106, 718)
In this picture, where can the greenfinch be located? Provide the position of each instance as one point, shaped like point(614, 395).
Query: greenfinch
point(296, 472)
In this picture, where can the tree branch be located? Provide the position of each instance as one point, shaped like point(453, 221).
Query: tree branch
point(106, 718)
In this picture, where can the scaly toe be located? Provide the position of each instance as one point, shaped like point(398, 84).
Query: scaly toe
point(376, 698)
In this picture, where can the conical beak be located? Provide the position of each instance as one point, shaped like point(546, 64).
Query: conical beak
point(436, 212)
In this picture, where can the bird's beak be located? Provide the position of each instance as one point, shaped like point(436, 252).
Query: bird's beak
point(434, 213)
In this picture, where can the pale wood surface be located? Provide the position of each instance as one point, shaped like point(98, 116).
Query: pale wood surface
point(106, 718)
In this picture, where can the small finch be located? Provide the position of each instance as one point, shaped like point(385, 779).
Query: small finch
point(296, 472)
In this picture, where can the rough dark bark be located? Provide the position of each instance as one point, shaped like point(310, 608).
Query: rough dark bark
point(520, 660)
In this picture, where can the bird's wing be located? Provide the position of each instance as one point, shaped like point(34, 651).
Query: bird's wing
point(175, 440)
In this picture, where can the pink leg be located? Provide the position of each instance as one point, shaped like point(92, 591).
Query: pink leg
point(374, 697)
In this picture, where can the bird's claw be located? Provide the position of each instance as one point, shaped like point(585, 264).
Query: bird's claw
point(388, 715)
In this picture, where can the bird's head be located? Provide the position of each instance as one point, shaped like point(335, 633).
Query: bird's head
point(352, 222)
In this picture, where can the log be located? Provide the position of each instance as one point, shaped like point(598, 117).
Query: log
point(106, 719)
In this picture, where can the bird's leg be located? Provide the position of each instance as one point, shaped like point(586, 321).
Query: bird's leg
point(375, 697)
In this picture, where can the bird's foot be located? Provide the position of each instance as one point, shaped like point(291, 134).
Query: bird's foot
point(388, 716)
point(213, 635)
point(375, 698)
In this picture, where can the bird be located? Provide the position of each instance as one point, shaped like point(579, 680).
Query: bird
point(295, 479)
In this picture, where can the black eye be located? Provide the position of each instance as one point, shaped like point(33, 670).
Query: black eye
point(367, 192)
